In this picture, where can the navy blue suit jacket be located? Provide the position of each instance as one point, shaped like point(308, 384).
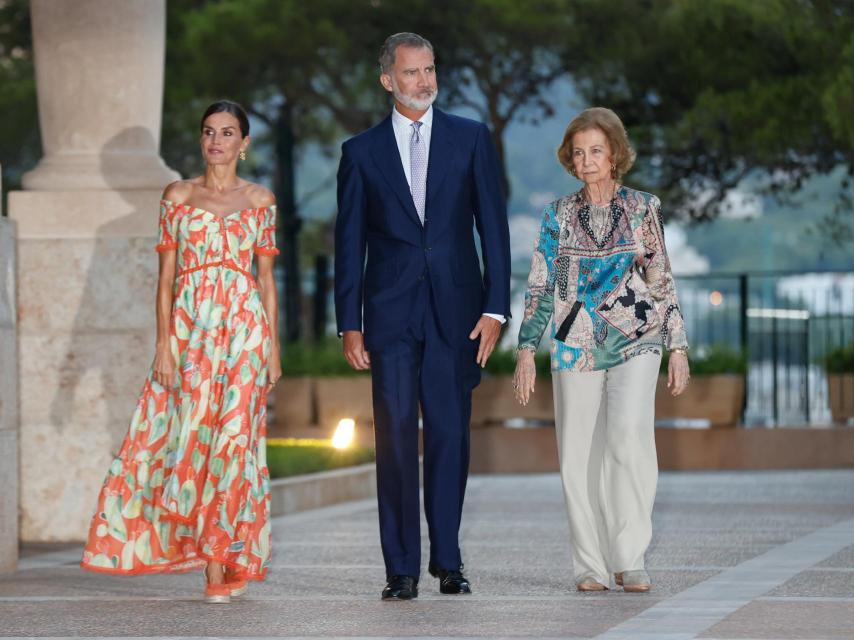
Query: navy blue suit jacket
point(377, 217)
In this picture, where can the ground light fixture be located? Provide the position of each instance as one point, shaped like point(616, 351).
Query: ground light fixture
point(344, 433)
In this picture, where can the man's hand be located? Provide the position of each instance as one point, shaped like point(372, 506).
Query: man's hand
point(488, 329)
point(354, 350)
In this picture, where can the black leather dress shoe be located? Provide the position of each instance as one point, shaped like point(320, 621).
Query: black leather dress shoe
point(451, 582)
point(401, 588)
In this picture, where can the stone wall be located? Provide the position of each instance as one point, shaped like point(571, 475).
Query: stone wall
point(9, 414)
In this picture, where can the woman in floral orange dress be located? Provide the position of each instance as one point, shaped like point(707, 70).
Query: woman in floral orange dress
point(190, 487)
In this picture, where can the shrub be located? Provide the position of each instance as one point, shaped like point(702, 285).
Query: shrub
point(503, 362)
point(708, 361)
point(295, 456)
point(323, 358)
point(840, 359)
point(713, 360)
point(326, 359)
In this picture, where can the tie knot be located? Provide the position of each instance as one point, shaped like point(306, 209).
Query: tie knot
point(417, 125)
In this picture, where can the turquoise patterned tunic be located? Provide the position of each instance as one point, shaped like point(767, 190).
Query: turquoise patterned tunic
point(609, 269)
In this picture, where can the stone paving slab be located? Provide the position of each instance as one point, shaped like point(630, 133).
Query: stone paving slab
point(844, 558)
point(790, 528)
point(296, 582)
point(820, 584)
point(320, 617)
point(797, 620)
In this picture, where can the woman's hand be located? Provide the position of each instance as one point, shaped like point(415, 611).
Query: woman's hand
point(525, 376)
point(164, 366)
point(274, 370)
point(678, 372)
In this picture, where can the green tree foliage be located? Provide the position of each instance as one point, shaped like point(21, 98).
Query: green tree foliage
point(718, 90)
point(840, 359)
point(498, 58)
point(286, 61)
point(304, 71)
point(280, 58)
point(712, 91)
point(504, 56)
point(20, 144)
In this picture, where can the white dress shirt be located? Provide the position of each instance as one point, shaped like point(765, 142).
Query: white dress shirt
point(402, 135)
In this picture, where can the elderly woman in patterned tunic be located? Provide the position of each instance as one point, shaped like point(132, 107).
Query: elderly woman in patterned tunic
point(600, 271)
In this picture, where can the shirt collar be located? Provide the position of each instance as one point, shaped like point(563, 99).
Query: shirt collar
point(403, 122)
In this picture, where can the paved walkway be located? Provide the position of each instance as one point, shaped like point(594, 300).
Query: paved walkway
point(735, 555)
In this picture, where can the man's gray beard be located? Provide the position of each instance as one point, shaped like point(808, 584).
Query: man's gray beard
point(414, 103)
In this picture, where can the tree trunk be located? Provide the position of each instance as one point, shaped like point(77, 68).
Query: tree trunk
point(497, 131)
point(321, 288)
point(289, 224)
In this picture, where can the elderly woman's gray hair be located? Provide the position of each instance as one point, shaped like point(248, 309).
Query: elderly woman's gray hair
point(403, 39)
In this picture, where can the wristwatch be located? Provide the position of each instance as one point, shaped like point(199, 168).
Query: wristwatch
point(682, 350)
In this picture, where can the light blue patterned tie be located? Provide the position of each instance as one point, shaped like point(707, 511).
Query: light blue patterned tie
point(418, 169)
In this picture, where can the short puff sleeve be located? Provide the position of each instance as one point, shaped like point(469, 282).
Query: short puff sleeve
point(167, 239)
point(265, 241)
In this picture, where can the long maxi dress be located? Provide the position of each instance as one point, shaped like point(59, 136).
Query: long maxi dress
point(190, 483)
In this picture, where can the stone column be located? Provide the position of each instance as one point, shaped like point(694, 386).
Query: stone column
point(87, 272)
point(99, 76)
point(8, 401)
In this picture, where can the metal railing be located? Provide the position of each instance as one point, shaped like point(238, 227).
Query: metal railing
point(784, 323)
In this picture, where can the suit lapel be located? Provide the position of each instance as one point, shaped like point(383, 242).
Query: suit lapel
point(387, 158)
point(441, 151)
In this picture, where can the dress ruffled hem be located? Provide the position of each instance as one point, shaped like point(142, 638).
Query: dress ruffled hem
point(178, 566)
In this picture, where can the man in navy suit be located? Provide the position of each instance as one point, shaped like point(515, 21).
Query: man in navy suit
point(421, 315)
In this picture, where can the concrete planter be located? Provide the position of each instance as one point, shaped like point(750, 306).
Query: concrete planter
point(300, 402)
point(494, 401)
point(717, 398)
point(840, 391)
point(497, 449)
point(293, 400)
point(311, 402)
point(315, 490)
point(344, 397)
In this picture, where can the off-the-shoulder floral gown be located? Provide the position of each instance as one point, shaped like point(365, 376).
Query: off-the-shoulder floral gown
point(190, 483)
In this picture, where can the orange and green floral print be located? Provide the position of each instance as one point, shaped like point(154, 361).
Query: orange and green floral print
point(190, 483)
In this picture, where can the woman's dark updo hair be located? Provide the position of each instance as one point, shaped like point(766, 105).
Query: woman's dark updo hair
point(228, 106)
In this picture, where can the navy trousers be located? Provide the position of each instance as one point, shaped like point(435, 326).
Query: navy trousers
point(422, 368)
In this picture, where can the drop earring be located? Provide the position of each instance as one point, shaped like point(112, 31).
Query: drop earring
point(243, 155)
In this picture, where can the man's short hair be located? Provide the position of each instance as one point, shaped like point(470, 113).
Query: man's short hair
point(404, 39)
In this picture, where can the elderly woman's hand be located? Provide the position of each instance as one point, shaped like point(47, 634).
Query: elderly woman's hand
point(678, 372)
point(525, 376)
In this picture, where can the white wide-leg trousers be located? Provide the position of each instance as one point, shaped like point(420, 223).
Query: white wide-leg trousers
point(608, 465)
